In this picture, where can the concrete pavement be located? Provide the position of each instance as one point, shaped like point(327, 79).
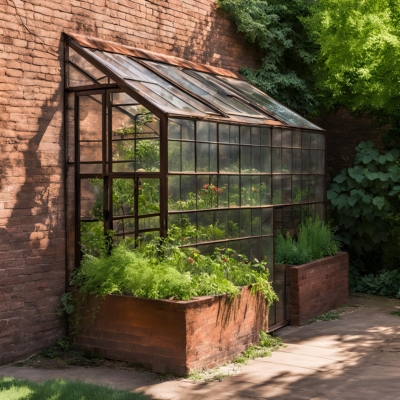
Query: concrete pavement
point(357, 357)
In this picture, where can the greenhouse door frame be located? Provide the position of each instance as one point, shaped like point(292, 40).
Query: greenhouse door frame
point(107, 175)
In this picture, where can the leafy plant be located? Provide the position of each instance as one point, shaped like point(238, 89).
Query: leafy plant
point(168, 272)
point(267, 344)
point(384, 283)
point(361, 197)
point(314, 241)
point(276, 28)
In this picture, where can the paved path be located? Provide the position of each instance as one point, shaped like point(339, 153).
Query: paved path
point(357, 357)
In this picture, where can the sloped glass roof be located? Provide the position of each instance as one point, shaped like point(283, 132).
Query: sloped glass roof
point(175, 90)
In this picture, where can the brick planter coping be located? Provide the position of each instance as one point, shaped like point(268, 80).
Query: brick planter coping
point(174, 336)
point(318, 287)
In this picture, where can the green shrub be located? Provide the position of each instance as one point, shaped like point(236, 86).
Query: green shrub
point(315, 241)
point(385, 283)
point(167, 272)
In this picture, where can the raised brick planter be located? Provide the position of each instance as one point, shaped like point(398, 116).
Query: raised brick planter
point(174, 336)
point(317, 287)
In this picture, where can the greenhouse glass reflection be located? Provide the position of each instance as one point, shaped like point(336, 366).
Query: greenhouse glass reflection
point(158, 145)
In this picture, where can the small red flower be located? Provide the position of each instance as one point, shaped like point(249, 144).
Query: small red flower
point(190, 259)
point(205, 187)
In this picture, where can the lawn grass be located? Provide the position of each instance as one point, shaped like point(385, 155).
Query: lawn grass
point(59, 389)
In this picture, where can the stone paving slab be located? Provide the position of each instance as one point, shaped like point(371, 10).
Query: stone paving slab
point(355, 358)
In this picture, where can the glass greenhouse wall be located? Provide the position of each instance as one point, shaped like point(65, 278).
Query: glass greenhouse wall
point(158, 145)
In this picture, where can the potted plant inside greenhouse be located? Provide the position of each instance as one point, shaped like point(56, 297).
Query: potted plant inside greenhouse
point(178, 175)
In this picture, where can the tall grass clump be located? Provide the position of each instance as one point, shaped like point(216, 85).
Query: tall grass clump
point(314, 241)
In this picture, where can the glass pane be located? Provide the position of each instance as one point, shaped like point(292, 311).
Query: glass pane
point(234, 191)
point(124, 227)
point(91, 168)
point(265, 190)
point(188, 156)
point(296, 189)
point(245, 137)
point(304, 188)
point(122, 98)
point(266, 221)
point(286, 138)
point(306, 140)
point(287, 161)
point(123, 194)
point(206, 157)
point(255, 249)
point(246, 192)
point(305, 161)
point(174, 200)
point(223, 184)
point(226, 104)
point(266, 136)
point(256, 222)
point(266, 159)
point(271, 105)
point(149, 223)
point(296, 166)
point(245, 222)
point(85, 65)
point(255, 190)
point(214, 83)
point(90, 151)
point(221, 225)
point(311, 189)
point(286, 189)
point(206, 131)
point(234, 134)
point(233, 223)
point(267, 251)
point(91, 215)
point(188, 192)
point(296, 138)
point(245, 159)
point(205, 231)
point(277, 137)
point(91, 199)
point(277, 189)
point(228, 158)
point(174, 156)
point(276, 160)
point(255, 135)
point(256, 159)
point(148, 196)
point(223, 133)
point(76, 78)
point(90, 117)
point(245, 248)
point(320, 141)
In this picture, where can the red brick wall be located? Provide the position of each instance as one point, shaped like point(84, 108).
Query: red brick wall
point(344, 133)
point(317, 287)
point(32, 234)
point(174, 336)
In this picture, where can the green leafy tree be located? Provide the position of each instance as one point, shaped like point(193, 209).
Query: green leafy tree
point(359, 43)
point(287, 52)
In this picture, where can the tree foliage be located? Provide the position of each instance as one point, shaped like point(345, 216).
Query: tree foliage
point(361, 198)
point(359, 43)
point(275, 27)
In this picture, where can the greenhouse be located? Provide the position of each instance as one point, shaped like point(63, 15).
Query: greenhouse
point(159, 146)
